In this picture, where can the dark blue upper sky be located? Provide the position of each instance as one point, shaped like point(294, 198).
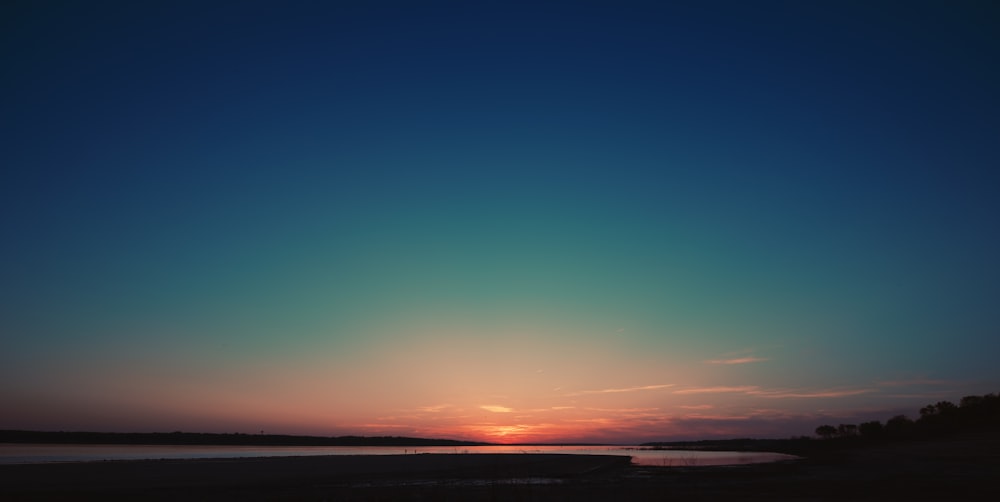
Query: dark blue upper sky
point(758, 172)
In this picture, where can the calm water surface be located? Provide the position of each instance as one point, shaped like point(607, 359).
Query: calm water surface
point(38, 453)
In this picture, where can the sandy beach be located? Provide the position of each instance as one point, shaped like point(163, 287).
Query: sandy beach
point(955, 469)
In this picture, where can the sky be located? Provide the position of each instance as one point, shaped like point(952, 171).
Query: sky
point(547, 221)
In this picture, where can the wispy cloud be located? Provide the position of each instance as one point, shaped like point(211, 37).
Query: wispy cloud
point(622, 389)
point(753, 390)
point(779, 394)
point(745, 356)
point(496, 409)
point(715, 418)
point(922, 382)
point(697, 407)
point(737, 360)
point(746, 389)
point(621, 411)
point(437, 408)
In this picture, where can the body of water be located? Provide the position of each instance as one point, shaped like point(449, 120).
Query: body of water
point(39, 453)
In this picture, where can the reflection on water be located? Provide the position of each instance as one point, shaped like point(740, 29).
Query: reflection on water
point(37, 453)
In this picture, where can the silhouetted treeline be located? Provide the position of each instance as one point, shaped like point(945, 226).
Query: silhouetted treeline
point(944, 417)
point(197, 438)
point(972, 414)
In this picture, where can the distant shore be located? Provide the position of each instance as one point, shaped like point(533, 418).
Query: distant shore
point(954, 468)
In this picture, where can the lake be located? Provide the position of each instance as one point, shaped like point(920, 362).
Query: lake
point(39, 453)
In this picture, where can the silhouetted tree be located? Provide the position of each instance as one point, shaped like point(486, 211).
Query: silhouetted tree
point(871, 430)
point(826, 431)
point(899, 426)
point(943, 417)
point(969, 402)
point(979, 411)
point(939, 418)
point(847, 430)
point(942, 408)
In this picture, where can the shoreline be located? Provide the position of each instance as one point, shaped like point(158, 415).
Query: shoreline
point(947, 469)
point(11, 454)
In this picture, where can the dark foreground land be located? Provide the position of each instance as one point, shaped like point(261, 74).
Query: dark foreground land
point(956, 468)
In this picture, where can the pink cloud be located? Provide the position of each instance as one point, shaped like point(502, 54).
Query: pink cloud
point(697, 407)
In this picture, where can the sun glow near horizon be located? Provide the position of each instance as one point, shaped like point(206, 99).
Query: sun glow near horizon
point(525, 386)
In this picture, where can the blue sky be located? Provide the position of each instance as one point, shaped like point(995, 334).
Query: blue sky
point(382, 217)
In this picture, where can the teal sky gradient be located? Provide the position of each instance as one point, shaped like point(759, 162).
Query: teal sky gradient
point(611, 220)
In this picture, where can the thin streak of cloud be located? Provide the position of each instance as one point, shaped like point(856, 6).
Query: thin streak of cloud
point(496, 409)
point(913, 382)
point(624, 389)
point(623, 410)
point(716, 418)
point(697, 407)
point(435, 408)
point(929, 396)
point(777, 394)
point(718, 390)
point(737, 360)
